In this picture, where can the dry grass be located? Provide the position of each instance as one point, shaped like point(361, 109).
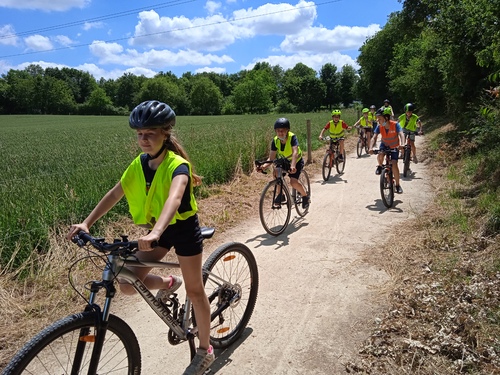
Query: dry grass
point(444, 296)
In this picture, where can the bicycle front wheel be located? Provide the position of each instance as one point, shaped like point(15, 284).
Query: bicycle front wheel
point(231, 281)
point(66, 347)
point(275, 207)
point(327, 166)
point(387, 188)
point(340, 164)
point(304, 180)
point(406, 161)
point(359, 147)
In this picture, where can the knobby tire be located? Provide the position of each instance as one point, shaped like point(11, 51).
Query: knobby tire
point(274, 216)
point(54, 349)
point(236, 284)
point(327, 166)
point(340, 164)
point(387, 188)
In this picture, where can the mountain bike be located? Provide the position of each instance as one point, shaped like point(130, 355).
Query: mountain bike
point(275, 206)
point(98, 342)
point(387, 182)
point(332, 157)
point(363, 141)
point(409, 136)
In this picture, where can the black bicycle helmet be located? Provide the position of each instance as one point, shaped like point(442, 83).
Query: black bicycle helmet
point(282, 123)
point(151, 114)
point(409, 107)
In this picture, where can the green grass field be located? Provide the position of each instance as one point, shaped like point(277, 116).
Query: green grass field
point(56, 168)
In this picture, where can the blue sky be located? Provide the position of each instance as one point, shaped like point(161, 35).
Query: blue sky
point(108, 38)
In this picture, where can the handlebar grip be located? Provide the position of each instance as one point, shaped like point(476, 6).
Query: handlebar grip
point(82, 238)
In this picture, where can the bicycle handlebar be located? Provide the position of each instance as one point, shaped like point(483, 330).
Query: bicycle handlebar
point(283, 163)
point(121, 247)
point(385, 151)
point(328, 138)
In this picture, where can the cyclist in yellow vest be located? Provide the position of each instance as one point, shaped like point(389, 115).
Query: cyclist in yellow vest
point(158, 186)
point(392, 138)
point(411, 125)
point(371, 115)
point(365, 123)
point(337, 128)
point(387, 104)
point(286, 145)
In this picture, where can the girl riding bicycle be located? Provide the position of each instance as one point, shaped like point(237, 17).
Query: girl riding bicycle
point(286, 145)
point(158, 186)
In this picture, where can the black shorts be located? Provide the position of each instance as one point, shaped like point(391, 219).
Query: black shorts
point(184, 236)
point(299, 166)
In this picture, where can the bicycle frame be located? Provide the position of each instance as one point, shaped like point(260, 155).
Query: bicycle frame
point(109, 275)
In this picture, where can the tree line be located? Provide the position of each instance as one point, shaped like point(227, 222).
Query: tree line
point(263, 89)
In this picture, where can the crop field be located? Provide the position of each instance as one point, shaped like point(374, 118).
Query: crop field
point(56, 168)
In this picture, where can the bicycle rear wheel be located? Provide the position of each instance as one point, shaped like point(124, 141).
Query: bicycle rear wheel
point(231, 285)
point(275, 213)
point(327, 166)
point(367, 144)
point(304, 180)
point(66, 347)
point(406, 161)
point(340, 164)
point(387, 188)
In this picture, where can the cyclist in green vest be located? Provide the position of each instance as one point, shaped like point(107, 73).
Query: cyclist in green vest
point(411, 125)
point(337, 128)
point(286, 145)
point(387, 104)
point(365, 123)
point(158, 186)
point(392, 138)
point(371, 116)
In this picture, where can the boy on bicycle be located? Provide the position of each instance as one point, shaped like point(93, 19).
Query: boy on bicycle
point(392, 139)
point(337, 128)
point(366, 124)
point(411, 124)
point(158, 186)
point(286, 145)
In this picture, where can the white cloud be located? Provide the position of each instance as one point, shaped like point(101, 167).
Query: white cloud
point(113, 53)
point(99, 73)
point(212, 6)
point(8, 35)
point(314, 61)
point(216, 32)
point(322, 40)
point(277, 19)
point(51, 5)
point(210, 34)
point(38, 43)
point(207, 69)
point(93, 25)
point(63, 40)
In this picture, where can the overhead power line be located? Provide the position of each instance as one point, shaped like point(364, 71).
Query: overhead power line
point(96, 19)
point(173, 30)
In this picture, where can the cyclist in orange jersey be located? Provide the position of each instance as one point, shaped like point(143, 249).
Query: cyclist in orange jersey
point(392, 138)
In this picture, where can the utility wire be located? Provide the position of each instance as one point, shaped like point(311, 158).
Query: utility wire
point(173, 30)
point(96, 19)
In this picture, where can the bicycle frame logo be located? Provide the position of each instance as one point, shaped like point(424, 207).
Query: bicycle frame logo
point(157, 306)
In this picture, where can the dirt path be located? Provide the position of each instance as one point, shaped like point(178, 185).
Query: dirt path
point(317, 297)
